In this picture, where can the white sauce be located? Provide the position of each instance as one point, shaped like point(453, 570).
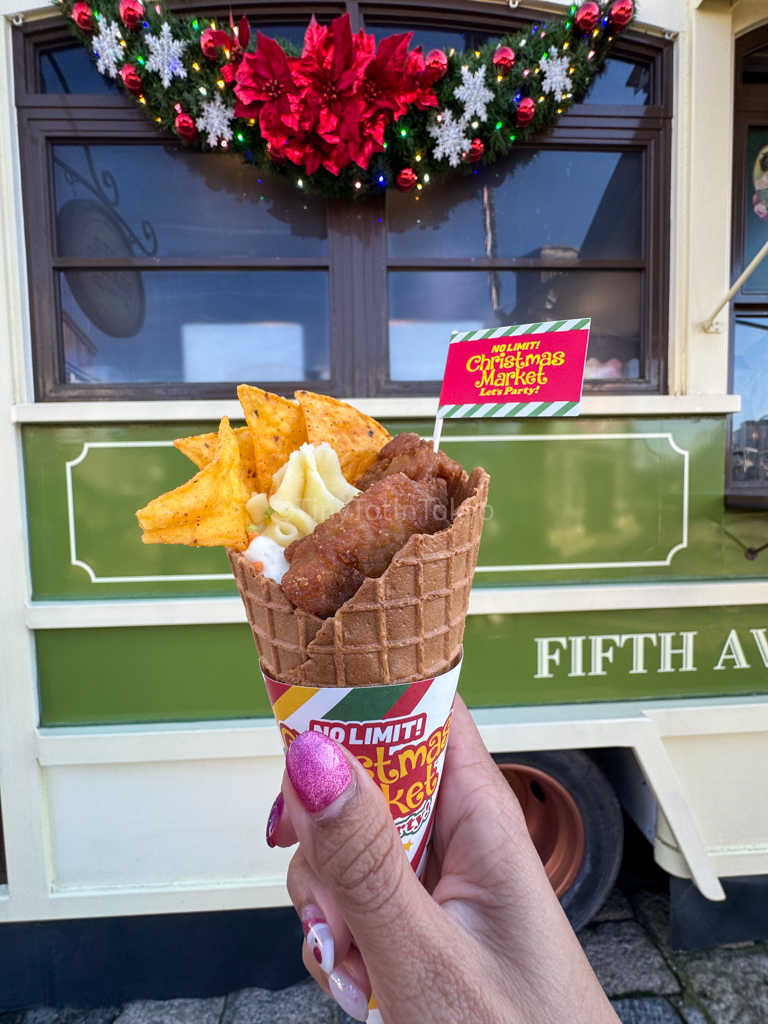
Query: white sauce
point(270, 554)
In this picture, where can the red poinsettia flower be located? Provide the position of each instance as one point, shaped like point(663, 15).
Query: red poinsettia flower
point(331, 106)
point(265, 85)
point(316, 143)
point(386, 85)
point(236, 47)
point(332, 68)
point(425, 78)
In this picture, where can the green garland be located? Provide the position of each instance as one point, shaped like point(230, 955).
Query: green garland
point(409, 145)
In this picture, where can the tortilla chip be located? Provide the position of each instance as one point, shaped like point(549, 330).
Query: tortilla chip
point(202, 449)
point(356, 438)
point(277, 428)
point(207, 510)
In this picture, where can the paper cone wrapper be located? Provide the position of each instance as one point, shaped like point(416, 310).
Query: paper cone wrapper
point(398, 733)
point(405, 626)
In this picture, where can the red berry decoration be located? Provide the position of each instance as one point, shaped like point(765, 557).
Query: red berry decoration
point(475, 151)
point(131, 12)
point(185, 126)
point(208, 44)
point(587, 17)
point(504, 59)
point(406, 180)
point(526, 109)
point(621, 13)
point(82, 15)
point(437, 61)
point(131, 80)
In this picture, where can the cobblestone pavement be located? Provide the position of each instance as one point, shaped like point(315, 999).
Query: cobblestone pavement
point(627, 945)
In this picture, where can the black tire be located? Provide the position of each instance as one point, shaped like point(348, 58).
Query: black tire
point(603, 826)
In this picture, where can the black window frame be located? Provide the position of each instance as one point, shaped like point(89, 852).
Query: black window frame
point(357, 259)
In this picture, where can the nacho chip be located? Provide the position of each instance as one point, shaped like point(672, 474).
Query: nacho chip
point(277, 428)
point(356, 438)
point(202, 449)
point(207, 510)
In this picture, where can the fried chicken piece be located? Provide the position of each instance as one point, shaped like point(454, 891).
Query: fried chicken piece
point(360, 540)
point(408, 454)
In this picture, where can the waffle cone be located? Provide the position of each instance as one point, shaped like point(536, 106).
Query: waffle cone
point(404, 626)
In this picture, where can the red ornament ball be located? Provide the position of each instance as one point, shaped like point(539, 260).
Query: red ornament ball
point(82, 15)
point(131, 80)
point(208, 44)
point(587, 17)
point(406, 180)
point(526, 109)
point(437, 61)
point(475, 151)
point(185, 126)
point(131, 12)
point(504, 59)
point(621, 13)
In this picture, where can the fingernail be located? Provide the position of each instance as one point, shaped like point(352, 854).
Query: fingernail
point(275, 815)
point(318, 936)
point(318, 770)
point(349, 997)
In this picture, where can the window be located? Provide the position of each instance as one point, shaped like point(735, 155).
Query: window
point(158, 272)
point(747, 459)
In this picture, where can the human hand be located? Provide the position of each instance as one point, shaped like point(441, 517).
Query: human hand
point(483, 940)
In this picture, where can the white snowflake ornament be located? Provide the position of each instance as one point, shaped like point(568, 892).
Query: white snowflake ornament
point(165, 55)
point(215, 121)
point(451, 138)
point(474, 93)
point(556, 79)
point(107, 48)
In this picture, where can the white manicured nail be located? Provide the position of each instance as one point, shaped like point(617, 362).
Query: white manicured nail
point(349, 997)
point(319, 937)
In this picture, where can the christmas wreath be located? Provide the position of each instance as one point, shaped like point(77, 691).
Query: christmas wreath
point(345, 117)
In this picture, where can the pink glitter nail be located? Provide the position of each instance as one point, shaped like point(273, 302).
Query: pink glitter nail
point(274, 817)
point(318, 770)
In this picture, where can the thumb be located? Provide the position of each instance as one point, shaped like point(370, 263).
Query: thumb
point(349, 839)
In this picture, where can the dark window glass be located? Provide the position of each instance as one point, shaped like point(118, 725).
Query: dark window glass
point(754, 68)
point(286, 32)
point(432, 38)
point(621, 81)
point(542, 204)
point(756, 206)
point(132, 326)
point(425, 306)
point(199, 204)
point(749, 435)
point(71, 70)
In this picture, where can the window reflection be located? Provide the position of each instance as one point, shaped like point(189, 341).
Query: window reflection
point(200, 204)
point(425, 306)
point(756, 206)
point(432, 37)
point(130, 326)
point(70, 69)
point(621, 81)
point(749, 438)
point(550, 204)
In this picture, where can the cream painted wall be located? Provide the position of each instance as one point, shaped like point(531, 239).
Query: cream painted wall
point(704, 150)
point(749, 14)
